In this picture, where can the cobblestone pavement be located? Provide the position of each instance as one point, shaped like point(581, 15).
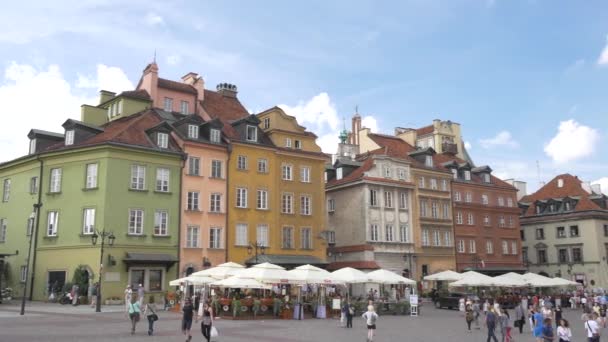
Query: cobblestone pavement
point(54, 322)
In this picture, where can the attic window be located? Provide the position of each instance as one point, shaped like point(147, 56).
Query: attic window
point(288, 142)
point(69, 137)
point(252, 133)
point(32, 146)
point(486, 177)
point(298, 144)
point(538, 209)
point(568, 206)
point(162, 140)
point(560, 183)
point(214, 135)
point(467, 175)
point(428, 161)
point(193, 131)
point(339, 173)
point(266, 123)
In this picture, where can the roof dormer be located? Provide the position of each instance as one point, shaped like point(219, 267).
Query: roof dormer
point(484, 172)
point(78, 131)
point(424, 156)
point(161, 135)
point(41, 140)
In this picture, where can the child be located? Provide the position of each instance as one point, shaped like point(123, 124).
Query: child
point(370, 317)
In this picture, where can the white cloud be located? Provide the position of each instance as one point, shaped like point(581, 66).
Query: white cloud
point(503, 138)
point(573, 141)
point(107, 78)
point(56, 101)
point(468, 145)
point(603, 59)
point(329, 143)
point(173, 59)
point(318, 111)
point(603, 182)
point(153, 19)
point(370, 122)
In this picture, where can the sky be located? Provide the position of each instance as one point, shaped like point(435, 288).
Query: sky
point(524, 78)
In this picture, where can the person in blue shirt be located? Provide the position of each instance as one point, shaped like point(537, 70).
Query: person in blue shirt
point(538, 327)
point(547, 331)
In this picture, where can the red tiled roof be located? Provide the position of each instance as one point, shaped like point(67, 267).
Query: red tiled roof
point(222, 107)
point(361, 265)
point(442, 158)
point(177, 86)
point(353, 248)
point(355, 175)
point(425, 130)
point(136, 94)
point(572, 187)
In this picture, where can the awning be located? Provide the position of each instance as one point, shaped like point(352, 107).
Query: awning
point(167, 260)
point(287, 261)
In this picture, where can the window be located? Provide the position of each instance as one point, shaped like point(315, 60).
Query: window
point(573, 231)
point(339, 173)
point(241, 162)
point(138, 177)
point(428, 161)
point(387, 171)
point(119, 106)
point(331, 205)
point(305, 205)
point(540, 234)
point(469, 197)
point(91, 176)
point(513, 247)
point(402, 200)
point(511, 222)
point(401, 174)
point(241, 197)
point(444, 185)
point(194, 166)
point(298, 144)
point(522, 235)
point(459, 219)
point(155, 280)
point(288, 142)
point(215, 135)
point(470, 219)
point(252, 133)
point(88, 221)
point(484, 199)
point(305, 174)
point(32, 146)
point(23, 274)
point(472, 246)
point(434, 184)
point(404, 233)
point(55, 184)
point(501, 201)
point(389, 234)
point(287, 172)
point(6, 190)
point(501, 221)
point(34, 185)
point(161, 222)
point(287, 203)
point(562, 254)
point(425, 237)
point(388, 199)
point(30, 226)
point(168, 104)
point(457, 197)
point(51, 225)
point(306, 238)
point(577, 254)
point(262, 200)
point(436, 238)
point(509, 202)
point(505, 247)
point(262, 235)
point(242, 236)
point(184, 107)
point(373, 232)
point(262, 165)
point(421, 183)
point(331, 237)
point(606, 230)
point(193, 131)
point(486, 177)
point(434, 209)
point(489, 247)
point(266, 123)
point(162, 179)
point(287, 237)
point(215, 237)
point(454, 173)
point(446, 211)
point(524, 255)
point(216, 169)
point(542, 256)
point(137, 277)
point(461, 246)
point(69, 137)
point(193, 200)
point(561, 232)
point(486, 220)
point(3, 228)
point(423, 208)
point(215, 203)
point(467, 175)
point(136, 221)
point(162, 140)
point(447, 239)
point(373, 198)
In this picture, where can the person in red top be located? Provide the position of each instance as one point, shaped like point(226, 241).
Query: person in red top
point(535, 300)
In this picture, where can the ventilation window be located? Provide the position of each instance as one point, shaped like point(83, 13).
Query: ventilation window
point(560, 183)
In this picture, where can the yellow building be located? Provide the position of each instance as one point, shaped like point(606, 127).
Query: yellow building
point(275, 192)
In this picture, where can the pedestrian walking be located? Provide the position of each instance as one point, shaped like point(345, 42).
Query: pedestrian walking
point(592, 328)
point(477, 313)
point(505, 326)
point(557, 315)
point(491, 325)
point(134, 313)
point(128, 295)
point(140, 294)
point(74, 293)
point(206, 315)
point(150, 314)
point(469, 317)
point(461, 306)
point(520, 317)
point(547, 333)
point(343, 310)
point(486, 307)
point(188, 313)
point(350, 312)
point(94, 295)
point(563, 331)
point(370, 318)
point(538, 326)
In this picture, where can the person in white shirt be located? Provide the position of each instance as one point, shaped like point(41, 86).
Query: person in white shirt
point(592, 328)
point(370, 318)
point(563, 331)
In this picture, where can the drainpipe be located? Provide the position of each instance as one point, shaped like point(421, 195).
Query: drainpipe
point(179, 217)
point(229, 150)
point(37, 225)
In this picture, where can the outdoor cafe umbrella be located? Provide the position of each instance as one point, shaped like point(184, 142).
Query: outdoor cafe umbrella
point(509, 280)
point(308, 274)
point(389, 278)
point(268, 273)
point(221, 271)
point(444, 276)
point(557, 282)
point(473, 279)
point(351, 275)
point(197, 281)
point(238, 282)
point(537, 280)
point(177, 282)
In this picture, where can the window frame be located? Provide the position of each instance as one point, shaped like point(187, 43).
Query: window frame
point(161, 222)
point(163, 179)
point(194, 166)
point(88, 227)
point(305, 205)
point(241, 236)
point(184, 107)
point(262, 165)
point(305, 174)
point(162, 139)
point(6, 190)
point(217, 169)
point(287, 203)
point(287, 238)
point(241, 197)
point(69, 137)
point(374, 232)
point(251, 129)
point(193, 201)
point(215, 202)
point(262, 233)
point(52, 228)
point(193, 131)
point(133, 228)
point(287, 172)
point(241, 162)
point(215, 237)
point(55, 180)
point(215, 135)
point(138, 177)
point(168, 104)
point(91, 175)
point(261, 199)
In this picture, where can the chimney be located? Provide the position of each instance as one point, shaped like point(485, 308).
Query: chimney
point(105, 95)
point(227, 90)
point(149, 82)
point(520, 186)
point(197, 82)
point(356, 127)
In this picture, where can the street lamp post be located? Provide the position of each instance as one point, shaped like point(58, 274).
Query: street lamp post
point(256, 246)
point(103, 235)
point(31, 224)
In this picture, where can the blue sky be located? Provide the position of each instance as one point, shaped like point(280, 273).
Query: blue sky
point(524, 78)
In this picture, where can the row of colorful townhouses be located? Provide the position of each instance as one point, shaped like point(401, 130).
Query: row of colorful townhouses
point(184, 178)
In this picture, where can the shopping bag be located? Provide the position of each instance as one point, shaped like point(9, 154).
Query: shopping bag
point(214, 332)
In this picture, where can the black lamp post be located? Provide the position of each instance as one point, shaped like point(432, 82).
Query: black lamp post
point(33, 217)
point(256, 246)
point(103, 235)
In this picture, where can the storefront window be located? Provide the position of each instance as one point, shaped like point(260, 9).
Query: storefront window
point(156, 280)
point(137, 277)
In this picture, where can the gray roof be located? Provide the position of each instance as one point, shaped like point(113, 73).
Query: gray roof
point(47, 133)
point(287, 260)
point(84, 124)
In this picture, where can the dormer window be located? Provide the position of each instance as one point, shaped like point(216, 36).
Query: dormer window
point(214, 135)
point(252, 133)
point(339, 173)
point(486, 177)
point(551, 208)
point(538, 209)
point(162, 140)
point(266, 123)
point(32, 146)
point(387, 171)
point(455, 173)
point(560, 183)
point(467, 175)
point(568, 206)
point(428, 161)
point(298, 144)
point(193, 131)
point(288, 142)
point(69, 137)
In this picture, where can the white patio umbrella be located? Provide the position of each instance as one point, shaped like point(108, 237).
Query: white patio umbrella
point(557, 282)
point(268, 273)
point(537, 280)
point(221, 271)
point(444, 276)
point(351, 275)
point(238, 282)
point(509, 280)
point(388, 277)
point(473, 279)
point(177, 282)
point(308, 274)
point(198, 281)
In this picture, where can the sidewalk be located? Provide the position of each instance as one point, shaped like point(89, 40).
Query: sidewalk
point(14, 307)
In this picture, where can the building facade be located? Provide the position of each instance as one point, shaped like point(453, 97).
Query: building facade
point(564, 228)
